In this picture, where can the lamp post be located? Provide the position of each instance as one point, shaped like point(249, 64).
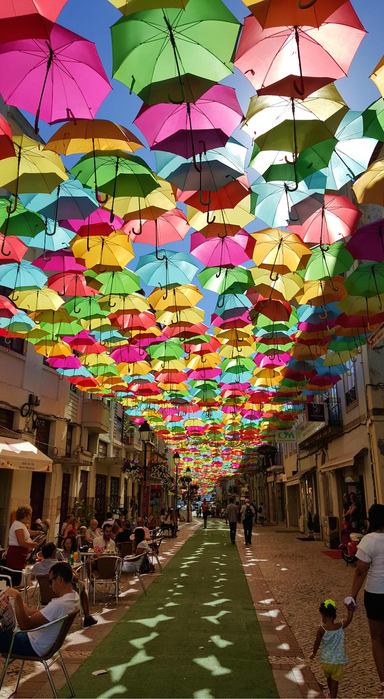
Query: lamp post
point(187, 480)
point(176, 461)
point(145, 434)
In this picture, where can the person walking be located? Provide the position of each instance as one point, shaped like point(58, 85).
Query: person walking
point(205, 510)
point(330, 640)
point(370, 566)
point(231, 517)
point(247, 515)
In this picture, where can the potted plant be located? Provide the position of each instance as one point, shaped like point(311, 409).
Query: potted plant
point(310, 525)
point(316, 526)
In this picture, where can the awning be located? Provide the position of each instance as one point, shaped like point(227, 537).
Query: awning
point(23, 456)
point(342, 461)
point(295, 479)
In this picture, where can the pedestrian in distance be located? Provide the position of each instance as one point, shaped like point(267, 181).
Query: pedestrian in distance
point(231, 517)
point(262, 514)
point(205, 510)
point(247, 515)
point(330, 639)
point(370, 566)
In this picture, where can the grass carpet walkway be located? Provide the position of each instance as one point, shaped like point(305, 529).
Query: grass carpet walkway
point(195, 633)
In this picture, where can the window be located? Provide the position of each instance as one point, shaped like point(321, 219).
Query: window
point(103, 447)
point(6, 418)
point(350, 383)
point(68, 442)
point(119, 428)
point(42, 435)
point(16, 344)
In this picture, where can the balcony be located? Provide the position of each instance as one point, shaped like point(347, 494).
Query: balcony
point(95, 417)
point(312, 433)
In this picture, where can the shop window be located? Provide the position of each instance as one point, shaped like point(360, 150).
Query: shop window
point(350, 383)
point(102, 450)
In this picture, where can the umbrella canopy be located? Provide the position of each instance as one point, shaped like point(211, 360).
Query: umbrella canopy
point(277, 13)
point(171, 268)
point(70, 200)
point(21, 275)
point(88, 135)
point(226, 198)
point(335, 220)
point(188, 129)
point(170, 227)
point(279, 251)
point(369, 188)
point(328, 262)
point(100, 253)
point(236, 280)
point(297, 60)
point(32, 170)
point(168, 55)
point(128, 7)
point(378, 76)
point(56, 79)
point(220, 252)
point(275, 202)
point(179, 298)
point(367, 243)
point(284, 287)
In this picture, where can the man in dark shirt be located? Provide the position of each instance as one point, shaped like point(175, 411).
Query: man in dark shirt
point(125, 534)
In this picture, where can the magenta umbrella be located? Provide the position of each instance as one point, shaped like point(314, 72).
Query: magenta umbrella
point(171, 227)
point(188, 129)
point(335, 220)
point(128, 353)
point(59, 78)
point(60, 261)
point(99, 220)
point(220, 252)
point(368, 242)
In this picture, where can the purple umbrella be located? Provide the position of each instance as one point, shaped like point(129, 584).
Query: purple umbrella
point(59, 78)
point(59, 261)
point(368, 242)
point(220, 252)
point(188, 129)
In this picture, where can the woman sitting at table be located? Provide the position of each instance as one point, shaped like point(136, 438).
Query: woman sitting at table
point(82, 538)
point(20, 542)
point(68, 550)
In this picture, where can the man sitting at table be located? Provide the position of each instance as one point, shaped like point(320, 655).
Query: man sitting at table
point(94, 530)
point(44, 567)
point(125, 534)
point(140, 525)
point(105, 541)
point(28, 641)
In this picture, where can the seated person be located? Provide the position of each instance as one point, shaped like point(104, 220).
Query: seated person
point(110, 519)
point(30, 642)
point(94, 529)
point(105, 541)
point(125, 534)
point(69, 547)
point(141, 545)
point(82, 538)
point(43, 567)
point(140, 525)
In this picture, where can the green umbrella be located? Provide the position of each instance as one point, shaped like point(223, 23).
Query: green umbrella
point(86, 307)
point(327, 263)
point(21, 222)
point(62, 329)
point(366, 281)
point(373, 120)
point(226, 281)
point(119, 174)
point(172, 349)
point(168, 55)
point(238, 363)
point(309, 161)
point(118, 283)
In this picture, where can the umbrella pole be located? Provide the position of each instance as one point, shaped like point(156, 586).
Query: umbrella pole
point(12, 209)
point(49, 258)
point(2, 251)
point(157, 250)
point(141, 223)
point(112, 216)
point(49, 63)
point(195, 165)
point(174, 48)
point(300, 90)
point(98, 197)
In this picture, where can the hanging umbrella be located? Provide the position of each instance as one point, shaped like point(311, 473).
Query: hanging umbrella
point(277, 13)
point(189, 129)
point(128, 7)
point(20, 222)
point(367, 243)
point(222, 281)
point(184, 53)
point(369, 188)
point(221, 223)
point(329, 262)
point(336, 219)
point(46, 8)
point(322, 292)
point(70, 200)
point(40, 300)
point(297, 60)
point(226, 198)
point(172, 268)
point(150, 207)
point(122, 282)
point(60, 261)
point(21, 275)
point(70, 284)
point(366, 281)
point(100, 253)
point(220, 252)
point(171, 227)
point(179, 298)
point(284, 288)
point(11, 249)
point(275, 202)
point(88, 135)
point(57, 79)
point(279, 251)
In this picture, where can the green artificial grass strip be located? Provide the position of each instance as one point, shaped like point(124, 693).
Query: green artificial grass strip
point(195, 633)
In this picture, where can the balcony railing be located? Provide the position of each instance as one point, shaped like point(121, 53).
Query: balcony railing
point(334, 413)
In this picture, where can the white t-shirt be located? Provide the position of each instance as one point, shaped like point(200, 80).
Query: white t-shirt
point(371, 550)
point(12, 538)
point(99, 541)
point(42, 641)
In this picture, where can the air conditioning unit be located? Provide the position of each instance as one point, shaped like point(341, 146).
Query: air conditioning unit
point(331, 532)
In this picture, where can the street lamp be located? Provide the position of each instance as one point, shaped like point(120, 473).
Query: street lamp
point(176, 461)
point(187, 480)
point(145, 434)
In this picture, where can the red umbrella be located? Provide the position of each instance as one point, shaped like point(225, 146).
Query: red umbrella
point(7, 309)
point(226, 198)
point(28, 19)
point(295, 61)
point(70, 284)
point(18, 8)
point(60, 260)
point(130, 321)
point(11, 249)
point(334, 221)
point(171, 227)
point(6, 141)
point(273, 309)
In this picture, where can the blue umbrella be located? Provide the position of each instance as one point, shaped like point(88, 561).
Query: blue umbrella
point(274, 202)
point(70, 200)
point(49, 240)
point(171, 268)
point(22, 275)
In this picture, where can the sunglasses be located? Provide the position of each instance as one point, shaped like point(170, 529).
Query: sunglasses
point(52, 579)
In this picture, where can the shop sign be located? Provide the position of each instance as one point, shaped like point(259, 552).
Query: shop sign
point(315, 412)
point(307, 429)
point(284, 436)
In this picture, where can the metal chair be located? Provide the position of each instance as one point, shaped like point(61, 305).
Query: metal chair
point(108, 569)
point(136, 561)
point(155, 546)
point(126, 548)
point(66, 622)
point(45, 590)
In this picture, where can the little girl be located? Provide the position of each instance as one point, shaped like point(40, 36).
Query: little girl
point(330, 640)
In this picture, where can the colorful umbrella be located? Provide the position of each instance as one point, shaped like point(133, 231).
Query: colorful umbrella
point(367, 243)
point(220, 252)
point(279, 251)
point(100, 253)
point(170, 227)
point(171, 268)
point(336, 219)
point(277, 13)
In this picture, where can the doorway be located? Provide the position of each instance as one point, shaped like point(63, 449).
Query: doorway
point(100, 495)
point(114, 494)
point(37, 494)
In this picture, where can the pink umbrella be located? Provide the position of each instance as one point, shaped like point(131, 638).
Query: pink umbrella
point(220, 252)
point(60, 261)
point(296, 61)
point(98, 222)
point(239, 321)
point(70, 362)
point(266, 362)
point(128, 353)
point(188, 129)
point(171, 227)
point(335, 220)
point(62, 78)
point(204, 374)
point(368, 242)
point(19, 8)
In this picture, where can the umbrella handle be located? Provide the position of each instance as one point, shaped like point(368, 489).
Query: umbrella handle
point(324, 316)
point(205, 203)
point(212, 221)
point(111, 305)
point(132, 84)
point(98, 197)
point(307, 5)
point(219, 304)
point(195, 165)
point(2, 252)
point(160, 259)
point(273, 279)
point(8, 341)
point(166, 294)
point(292, 189)
point(12, 209)
point(294, 161)
point(291, 219)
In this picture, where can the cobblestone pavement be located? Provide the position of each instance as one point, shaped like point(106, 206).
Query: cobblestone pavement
point(300, 577)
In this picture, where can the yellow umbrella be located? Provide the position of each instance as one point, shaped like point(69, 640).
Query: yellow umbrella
point(112, 253)
point(178, 298)
point(96, 359)
point(39, 300)
point(32, 170)
point(133, 303)
point(88, 135)
point(189, 316)
point(234, 333)
point(280, 251)
point(147, 208)
point(369, 188)
point(322, 292)
point(283, 288)
point(307, 353)
point(52, 348)
point(169, 365)
point(207, 361)
point(128, 7)
point(242, 349)
point(378, 76)
point(227, 221)
point(135, 368)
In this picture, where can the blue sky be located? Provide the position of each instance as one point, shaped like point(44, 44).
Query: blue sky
point(92, 19)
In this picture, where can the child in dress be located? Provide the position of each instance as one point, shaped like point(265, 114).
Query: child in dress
point(330, 640)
